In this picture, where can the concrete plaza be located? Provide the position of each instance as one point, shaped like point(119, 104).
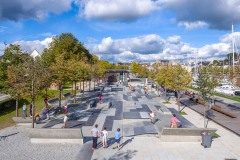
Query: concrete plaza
point(141, 139)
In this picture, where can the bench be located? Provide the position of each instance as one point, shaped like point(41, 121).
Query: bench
point(21, 121)
point(50, 135)
point(184, 134)
point(218, 109)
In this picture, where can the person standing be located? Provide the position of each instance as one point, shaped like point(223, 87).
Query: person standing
point(104, 137)
point(117, 139)
point(24, 114)
point(152, 115)
point(100, 98)
point(95, 134)
point(65, 121)
point(46, 102)
point(174, 121)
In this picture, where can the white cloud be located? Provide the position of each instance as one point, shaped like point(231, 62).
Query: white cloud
point(152, 47)
point(29, 46)
point(117, 10)
point(227, 38)
point(142, 44)
point(192, 25)
point(214, 50)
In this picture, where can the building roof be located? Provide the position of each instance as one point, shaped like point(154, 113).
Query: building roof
point(35, 53)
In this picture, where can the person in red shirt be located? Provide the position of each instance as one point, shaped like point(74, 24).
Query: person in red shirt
point(174, 122)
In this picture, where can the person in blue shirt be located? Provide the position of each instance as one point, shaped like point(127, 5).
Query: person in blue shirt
point(117, 138)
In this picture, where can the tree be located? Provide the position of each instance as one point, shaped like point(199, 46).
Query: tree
point(164, 77)
point(28, 79)
point(206, 84)
point(134, 67)
point(13, 56)
point(59, 72)
point(67, 45)
point(181, 79)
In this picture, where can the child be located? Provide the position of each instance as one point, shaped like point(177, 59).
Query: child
point(152, 115)
point(117, 138)
point(104, 137)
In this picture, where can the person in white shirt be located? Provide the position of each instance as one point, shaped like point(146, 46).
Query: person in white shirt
point(104, 137)
point(152, 115)
point(24, 114)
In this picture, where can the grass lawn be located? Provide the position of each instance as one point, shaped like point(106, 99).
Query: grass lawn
point(222, 95)
point(166, 103)
point(7, 114)
point(183, 113)
point(215, 135)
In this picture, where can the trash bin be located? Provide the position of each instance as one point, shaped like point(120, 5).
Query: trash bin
point(206, 140)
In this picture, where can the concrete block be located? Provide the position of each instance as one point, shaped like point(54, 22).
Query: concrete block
point(177, 138)
point(22, 120)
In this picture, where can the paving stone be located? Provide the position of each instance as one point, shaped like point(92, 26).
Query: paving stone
point(144, 115)
point(139, 130)
point(131, 115)
point(108, 123)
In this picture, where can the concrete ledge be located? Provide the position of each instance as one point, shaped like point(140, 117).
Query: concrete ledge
point(49, 135)
point(184, 134)
point(47, 141)
point(187, 131)
point(175, 138)
point(19, 120)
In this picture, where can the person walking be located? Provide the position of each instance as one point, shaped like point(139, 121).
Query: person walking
point(100, 98)
point(117, 139)
point(104, 137)
point(65, 121)
point(174, 122)
point(46, 102)
point(95, 134)
point(152, 115)
point(24, 114)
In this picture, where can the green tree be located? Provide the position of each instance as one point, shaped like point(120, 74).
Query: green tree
point(206, 84)
point(28, 79)
point(59, 72)
point(180, 80)
point(13, 56)
point(164, 77)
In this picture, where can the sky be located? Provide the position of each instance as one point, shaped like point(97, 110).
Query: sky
point(126, 30)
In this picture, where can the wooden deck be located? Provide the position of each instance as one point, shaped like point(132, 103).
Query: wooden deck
point(232, 124)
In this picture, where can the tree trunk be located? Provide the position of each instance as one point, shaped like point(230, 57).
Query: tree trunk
point(33, 113)
point(165, 90)
point(89, 84)
point(83, 86)
point(60, 95)
point(204, 116)
point(75, 85)
point(80, 86)
point(178, 101)
point(16, 107)
point(93, 84)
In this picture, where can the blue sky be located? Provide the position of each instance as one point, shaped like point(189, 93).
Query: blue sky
point(125, 30)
